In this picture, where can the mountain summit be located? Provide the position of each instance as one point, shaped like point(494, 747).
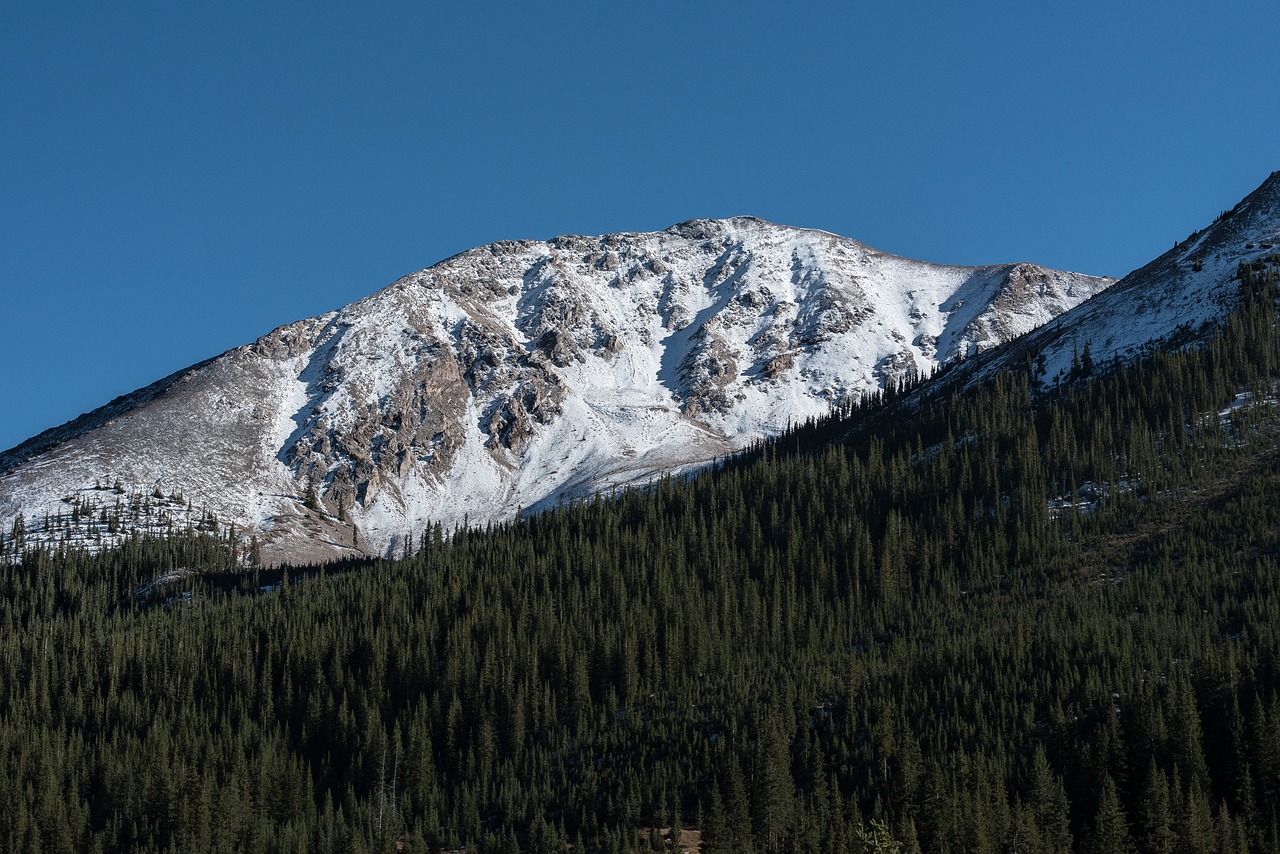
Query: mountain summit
point(517, 375)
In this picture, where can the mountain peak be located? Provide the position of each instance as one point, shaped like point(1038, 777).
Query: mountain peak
point(518, 374)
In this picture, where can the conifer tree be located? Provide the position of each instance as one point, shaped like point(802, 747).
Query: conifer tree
point(1155, 818)
point(772, 788)
point(1049, 805)
point(1109, 831)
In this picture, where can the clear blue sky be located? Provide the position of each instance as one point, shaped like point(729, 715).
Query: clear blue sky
point(179, 178)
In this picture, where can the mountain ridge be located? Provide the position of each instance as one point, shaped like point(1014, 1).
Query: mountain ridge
point(1172, 298)
point(518, 374)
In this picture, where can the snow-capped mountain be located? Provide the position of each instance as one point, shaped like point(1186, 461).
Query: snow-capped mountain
point(516, 375)
point(1168, 302)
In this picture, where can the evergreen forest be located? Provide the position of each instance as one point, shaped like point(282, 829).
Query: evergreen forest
point(964, 616)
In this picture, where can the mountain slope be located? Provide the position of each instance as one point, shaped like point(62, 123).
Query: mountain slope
point(517, 375)
point(998, 602)
point(1168, 302)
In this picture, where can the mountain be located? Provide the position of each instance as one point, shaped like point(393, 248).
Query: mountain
point(1169, 302)
point(515, 376)
point(1005, 616)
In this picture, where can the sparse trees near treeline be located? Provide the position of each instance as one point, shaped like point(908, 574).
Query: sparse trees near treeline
point(1010, 622)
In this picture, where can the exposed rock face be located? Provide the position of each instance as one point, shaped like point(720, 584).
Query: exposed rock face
point(518, 374)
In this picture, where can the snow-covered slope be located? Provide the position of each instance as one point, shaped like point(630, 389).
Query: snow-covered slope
point(519, 374)
point(1168, 302)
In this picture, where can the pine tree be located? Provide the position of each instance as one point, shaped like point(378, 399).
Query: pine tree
point(309, 499)
point(715, 835)
point(1049, 804)
point(1155, 819)
point(772, 788)
point(874, 838)
point(1194, 821)
point(737, 809)
point(1109, 832)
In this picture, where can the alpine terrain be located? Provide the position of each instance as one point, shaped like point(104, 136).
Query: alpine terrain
point(518, 375)
point(1174, 300)
point(1030, 603)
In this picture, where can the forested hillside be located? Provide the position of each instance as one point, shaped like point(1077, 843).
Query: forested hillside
point(981, 621)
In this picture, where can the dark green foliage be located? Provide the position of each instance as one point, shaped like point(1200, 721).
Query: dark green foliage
point(1005, 622)
point(309, 497)
point(1109, 833)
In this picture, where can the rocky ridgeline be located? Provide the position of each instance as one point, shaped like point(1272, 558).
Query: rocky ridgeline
point(516, 375)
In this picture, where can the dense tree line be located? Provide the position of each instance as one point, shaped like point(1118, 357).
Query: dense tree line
point(1008, 622)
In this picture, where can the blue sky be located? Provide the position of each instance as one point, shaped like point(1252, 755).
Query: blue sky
point(177, 178)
